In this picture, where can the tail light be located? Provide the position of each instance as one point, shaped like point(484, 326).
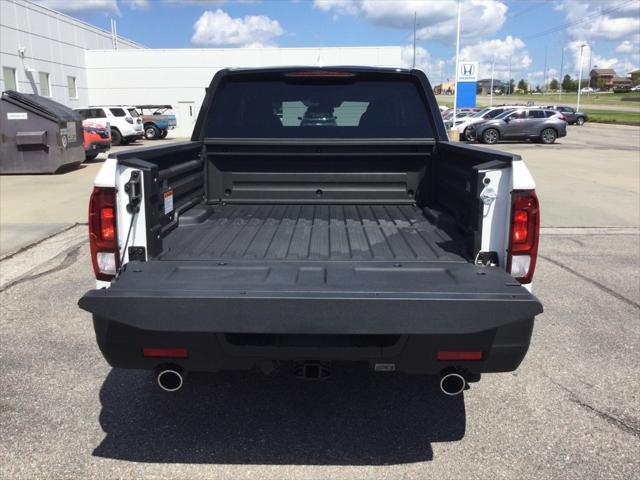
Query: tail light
point(562, 117)
point(525, 231)
point(129, 120)
point(103, 233)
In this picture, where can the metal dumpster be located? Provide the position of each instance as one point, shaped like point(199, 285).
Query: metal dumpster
point(38, 135)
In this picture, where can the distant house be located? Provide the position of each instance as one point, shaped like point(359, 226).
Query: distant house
point(602, 78)
point(484, 85)
point(635, 76)
point(619, 82)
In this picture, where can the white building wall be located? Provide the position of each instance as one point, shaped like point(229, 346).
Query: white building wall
point(179, 76)
point(54, 43)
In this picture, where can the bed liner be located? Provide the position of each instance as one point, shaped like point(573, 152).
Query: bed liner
point(315, 232)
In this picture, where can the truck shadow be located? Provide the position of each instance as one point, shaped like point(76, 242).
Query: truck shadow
point(356, 417)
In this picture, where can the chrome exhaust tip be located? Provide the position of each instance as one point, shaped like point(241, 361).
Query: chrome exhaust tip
point(452, 384)
point(170, 379)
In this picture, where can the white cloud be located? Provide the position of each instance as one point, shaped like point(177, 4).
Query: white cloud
point(137, 4)
point(509, 54)
point(218, 28)
point(68, 6)
point(435, 20)
point(625, 47)
point(435, 69)
point(597, 19)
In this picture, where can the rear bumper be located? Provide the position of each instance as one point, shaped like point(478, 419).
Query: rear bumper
point(235, 315)
point(503, 349)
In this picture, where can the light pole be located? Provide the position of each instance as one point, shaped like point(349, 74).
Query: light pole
point(455, 93)
point(493, 64)
point(415, 17)
point(580, 77)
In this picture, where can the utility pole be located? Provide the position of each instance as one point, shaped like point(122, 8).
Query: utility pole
point(509, 79)
point(544, 77)
point(590, 52)
point(561, 74)
point(455, 93)
point(415, 16)
point(580, 77)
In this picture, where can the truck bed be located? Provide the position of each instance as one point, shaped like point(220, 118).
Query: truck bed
point(314, 232)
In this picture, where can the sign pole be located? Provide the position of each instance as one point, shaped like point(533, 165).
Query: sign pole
point(455, 93)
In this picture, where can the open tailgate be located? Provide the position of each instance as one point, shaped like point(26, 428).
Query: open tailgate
point(312, 297)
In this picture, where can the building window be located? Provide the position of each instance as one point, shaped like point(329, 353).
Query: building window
point(9, 76)
point(73, 88)
point(45, 86)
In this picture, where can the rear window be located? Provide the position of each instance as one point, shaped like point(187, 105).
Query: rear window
point(92, 113)
point(118, 112)
point(494, 113)
point(536, 114)
point(318, 108)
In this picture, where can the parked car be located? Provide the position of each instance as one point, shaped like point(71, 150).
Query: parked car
point(485, 114)
point(635, 89)
point(587, 90)
point(460, 114)
point(156, 120)
point(570, 114)
point(357, 242)
point(524, 123)
point(97, 138)
point(124, 127)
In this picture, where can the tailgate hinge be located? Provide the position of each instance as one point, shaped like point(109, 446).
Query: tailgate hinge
point(487, 259)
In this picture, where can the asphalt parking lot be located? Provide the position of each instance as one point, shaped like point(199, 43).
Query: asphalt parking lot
point(571, 411)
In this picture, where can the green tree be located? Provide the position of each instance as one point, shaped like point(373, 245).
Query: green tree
point(569, 85)
point(522, 85)
point(554, 84)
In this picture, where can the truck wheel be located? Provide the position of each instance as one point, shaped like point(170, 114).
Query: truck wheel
point(163, 133)
point(490, 136)
point(116, 138)
point(548, 136)
point(580, 121)
point(151, 132)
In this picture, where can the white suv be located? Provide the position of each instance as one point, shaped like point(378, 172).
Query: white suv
point(126, 125)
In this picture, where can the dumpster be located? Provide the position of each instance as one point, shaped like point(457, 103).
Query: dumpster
point(38, 135)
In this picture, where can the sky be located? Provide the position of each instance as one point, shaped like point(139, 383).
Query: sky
point(516, 36)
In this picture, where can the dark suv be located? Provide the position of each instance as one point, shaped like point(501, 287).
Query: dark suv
point(521, 124)
point(570, 114)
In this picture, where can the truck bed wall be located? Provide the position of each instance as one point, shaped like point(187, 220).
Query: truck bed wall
point(246, 173)
point(441, 176)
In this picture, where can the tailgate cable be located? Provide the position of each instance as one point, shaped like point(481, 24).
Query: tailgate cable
point(133, 189)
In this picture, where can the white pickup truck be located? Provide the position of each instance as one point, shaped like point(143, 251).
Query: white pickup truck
point(316, 215)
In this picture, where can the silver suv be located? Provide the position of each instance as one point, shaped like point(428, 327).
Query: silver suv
point(520, 124)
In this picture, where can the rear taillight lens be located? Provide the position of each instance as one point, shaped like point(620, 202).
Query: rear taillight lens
point(103, 236)
point(129, 120)
point(525, 231)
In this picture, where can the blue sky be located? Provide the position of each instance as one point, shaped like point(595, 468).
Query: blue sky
point(511, 33)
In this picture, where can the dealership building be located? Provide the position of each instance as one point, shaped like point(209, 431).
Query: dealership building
point(46, 52)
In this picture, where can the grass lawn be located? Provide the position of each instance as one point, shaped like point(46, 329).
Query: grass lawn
point(613, 99)
point(613, 116)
